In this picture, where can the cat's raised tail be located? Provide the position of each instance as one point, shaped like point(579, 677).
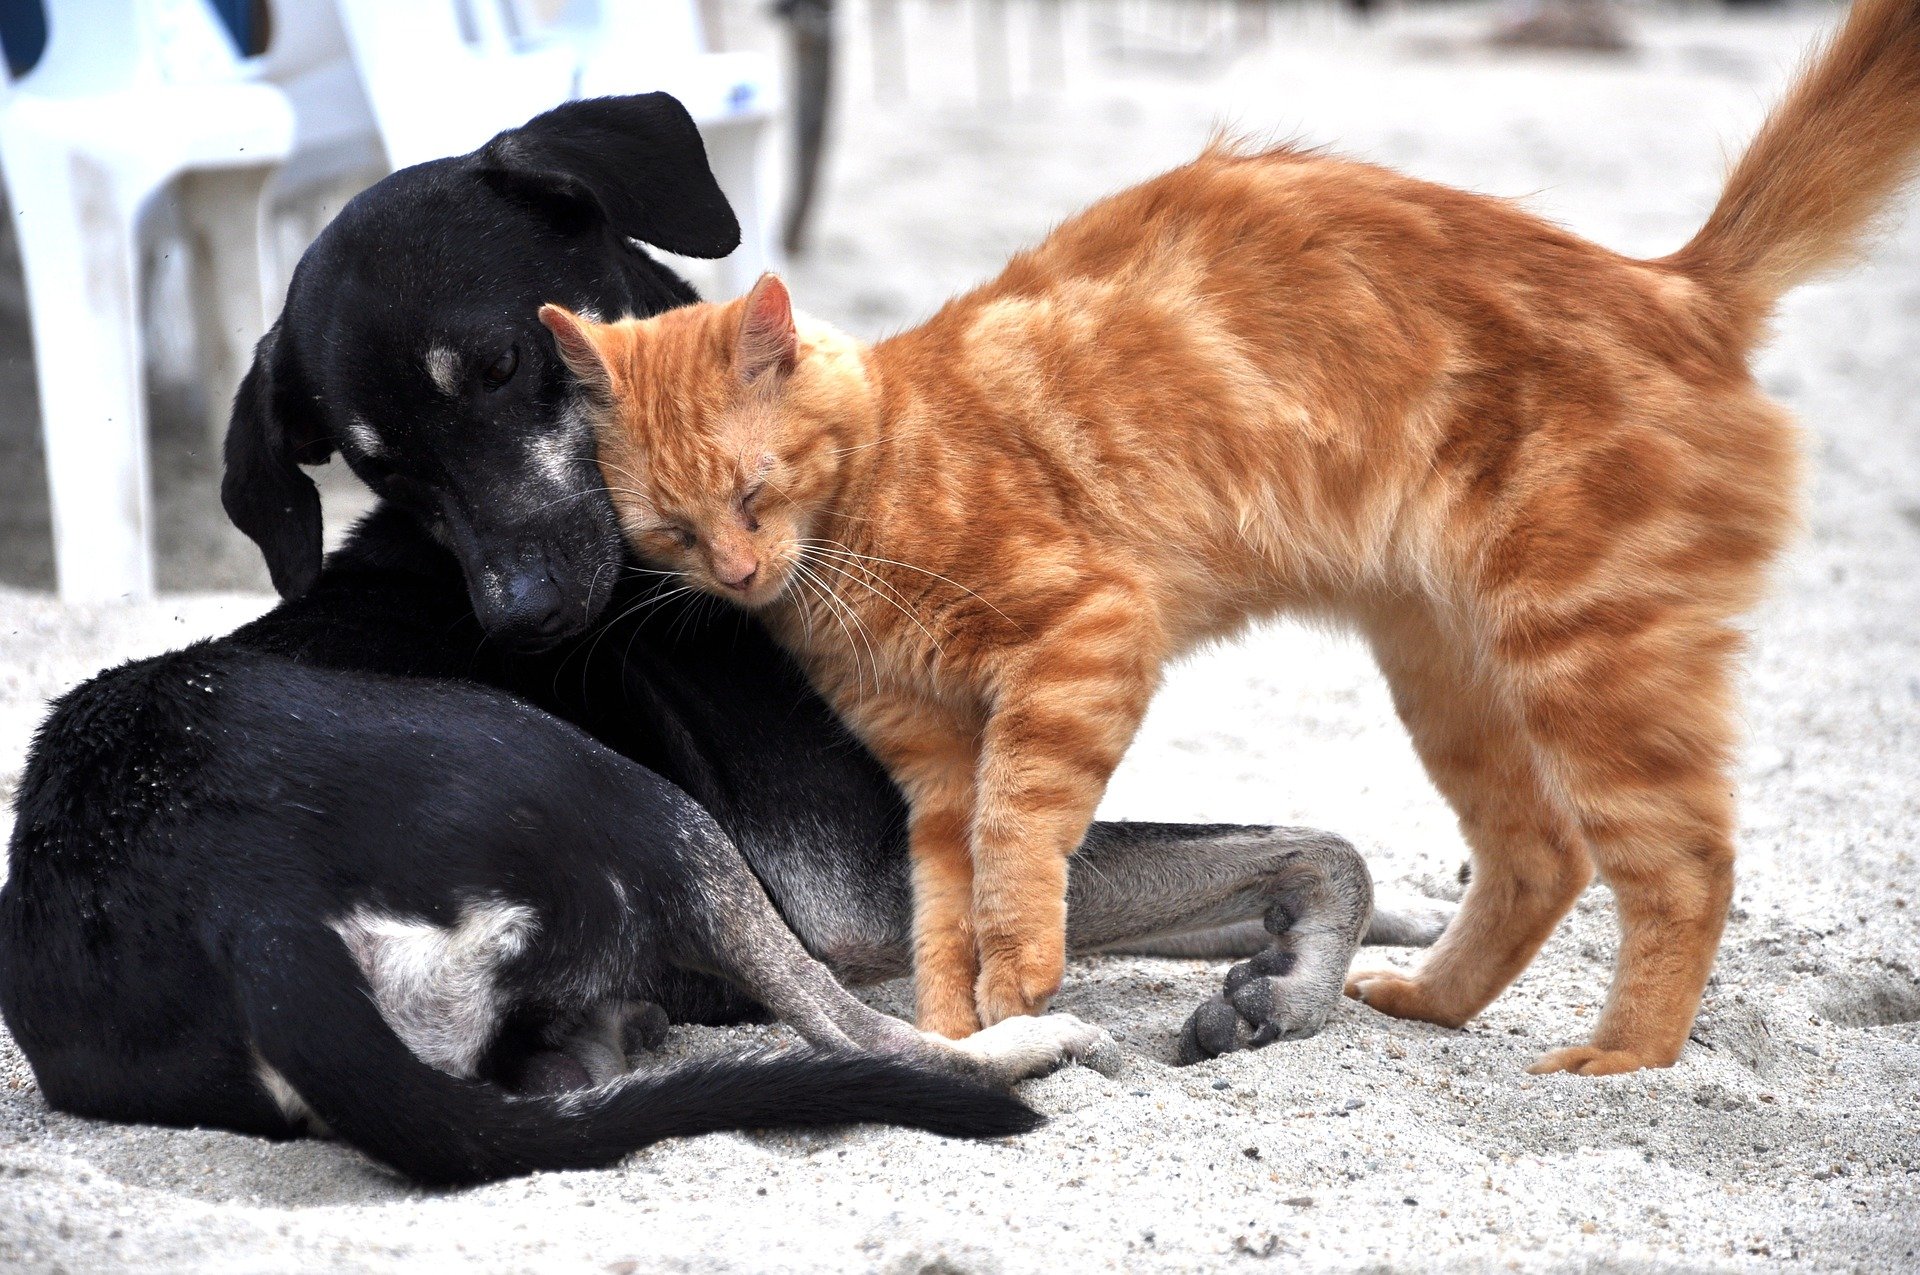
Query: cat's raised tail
point(1823, 167)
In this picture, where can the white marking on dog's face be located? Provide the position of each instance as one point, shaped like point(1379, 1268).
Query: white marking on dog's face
point(559, 463)
point(436, 986)
point(442, 367)
point(555, 458)
point(362, 435)
point(287, 1098)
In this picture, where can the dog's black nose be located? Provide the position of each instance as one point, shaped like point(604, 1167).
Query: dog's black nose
point(535, 607)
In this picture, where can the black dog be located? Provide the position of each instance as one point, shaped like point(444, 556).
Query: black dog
point(429, 838)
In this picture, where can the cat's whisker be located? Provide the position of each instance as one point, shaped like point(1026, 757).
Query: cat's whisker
point(839, 605)
point(841, 612)
point(938, 649)
point(836, 548)
point(607, 626)
point(645, 608)
point(594, 583)
point(806, 578)
point(607, 464)
point(576, 495)
point(859, 447)
point(869, 577)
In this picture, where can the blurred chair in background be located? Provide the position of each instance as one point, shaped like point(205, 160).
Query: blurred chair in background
point(811, 45)
point(643, 46)
point(129, 97)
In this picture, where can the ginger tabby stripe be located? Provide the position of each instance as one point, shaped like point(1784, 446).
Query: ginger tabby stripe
point(1537, 476)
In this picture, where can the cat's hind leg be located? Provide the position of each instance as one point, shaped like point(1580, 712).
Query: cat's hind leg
point(1636, 724)
point(1530, 859)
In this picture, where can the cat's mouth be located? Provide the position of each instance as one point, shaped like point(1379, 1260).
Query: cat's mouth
point(764, 587)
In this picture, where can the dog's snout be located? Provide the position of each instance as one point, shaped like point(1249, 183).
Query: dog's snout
point(535, 605)
point(526, 604)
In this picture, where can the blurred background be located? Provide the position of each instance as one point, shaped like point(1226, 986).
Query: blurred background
point(166, 160)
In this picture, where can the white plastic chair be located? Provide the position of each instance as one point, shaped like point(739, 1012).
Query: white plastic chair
point(434, 92)
point(334, 132)
point(129, 96)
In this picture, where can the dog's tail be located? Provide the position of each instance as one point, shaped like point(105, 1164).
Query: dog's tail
point(315, 1023)
point(1823, 167)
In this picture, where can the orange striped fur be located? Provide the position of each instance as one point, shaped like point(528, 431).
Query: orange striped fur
point(1537, 476)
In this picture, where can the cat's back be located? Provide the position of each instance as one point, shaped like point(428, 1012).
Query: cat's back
point(1232, 292)
point(1301, 239)
point(1294, 282)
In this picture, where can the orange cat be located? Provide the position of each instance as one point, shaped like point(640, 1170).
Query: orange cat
point(1537, 476)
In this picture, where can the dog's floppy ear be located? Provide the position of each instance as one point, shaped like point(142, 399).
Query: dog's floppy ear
point(635, 162)
point(271, 434)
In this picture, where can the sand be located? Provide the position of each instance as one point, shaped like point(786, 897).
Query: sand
point(1785, 1136)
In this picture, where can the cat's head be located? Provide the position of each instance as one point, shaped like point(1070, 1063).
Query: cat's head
point(722, 432)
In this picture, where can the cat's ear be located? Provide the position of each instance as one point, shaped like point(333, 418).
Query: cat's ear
point(578, 341)
point(768, 345)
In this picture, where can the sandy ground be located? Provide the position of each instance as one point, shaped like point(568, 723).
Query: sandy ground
point(1786, 1136)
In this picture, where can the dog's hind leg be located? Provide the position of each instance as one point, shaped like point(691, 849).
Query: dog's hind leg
point(1412, 922)
point(1184, 890)
point(743, 938)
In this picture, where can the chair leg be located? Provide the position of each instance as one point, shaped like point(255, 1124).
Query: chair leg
point(224, 213)
point(735, 151)
point(76, 226)
point(810, 37)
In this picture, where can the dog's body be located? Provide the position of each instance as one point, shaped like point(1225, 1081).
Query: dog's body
point(372, 863)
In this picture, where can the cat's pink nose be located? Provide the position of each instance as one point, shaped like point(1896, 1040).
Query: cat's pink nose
point(739, 574)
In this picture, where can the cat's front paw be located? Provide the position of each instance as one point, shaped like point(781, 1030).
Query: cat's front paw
point(1019, 980)
point(1404, 996)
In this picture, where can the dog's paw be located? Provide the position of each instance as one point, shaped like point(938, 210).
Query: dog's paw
point(1265, 999)
point(643, 1027)
point(549, 1073)
point(1287, 991)
point(1022, 1048)
point(1586, 1060)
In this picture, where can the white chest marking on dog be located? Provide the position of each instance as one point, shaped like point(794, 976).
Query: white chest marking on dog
point(441, 367)
point(363, 436)
point(435, 985)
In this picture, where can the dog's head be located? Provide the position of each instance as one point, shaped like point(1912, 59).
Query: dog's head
point(411, 345)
